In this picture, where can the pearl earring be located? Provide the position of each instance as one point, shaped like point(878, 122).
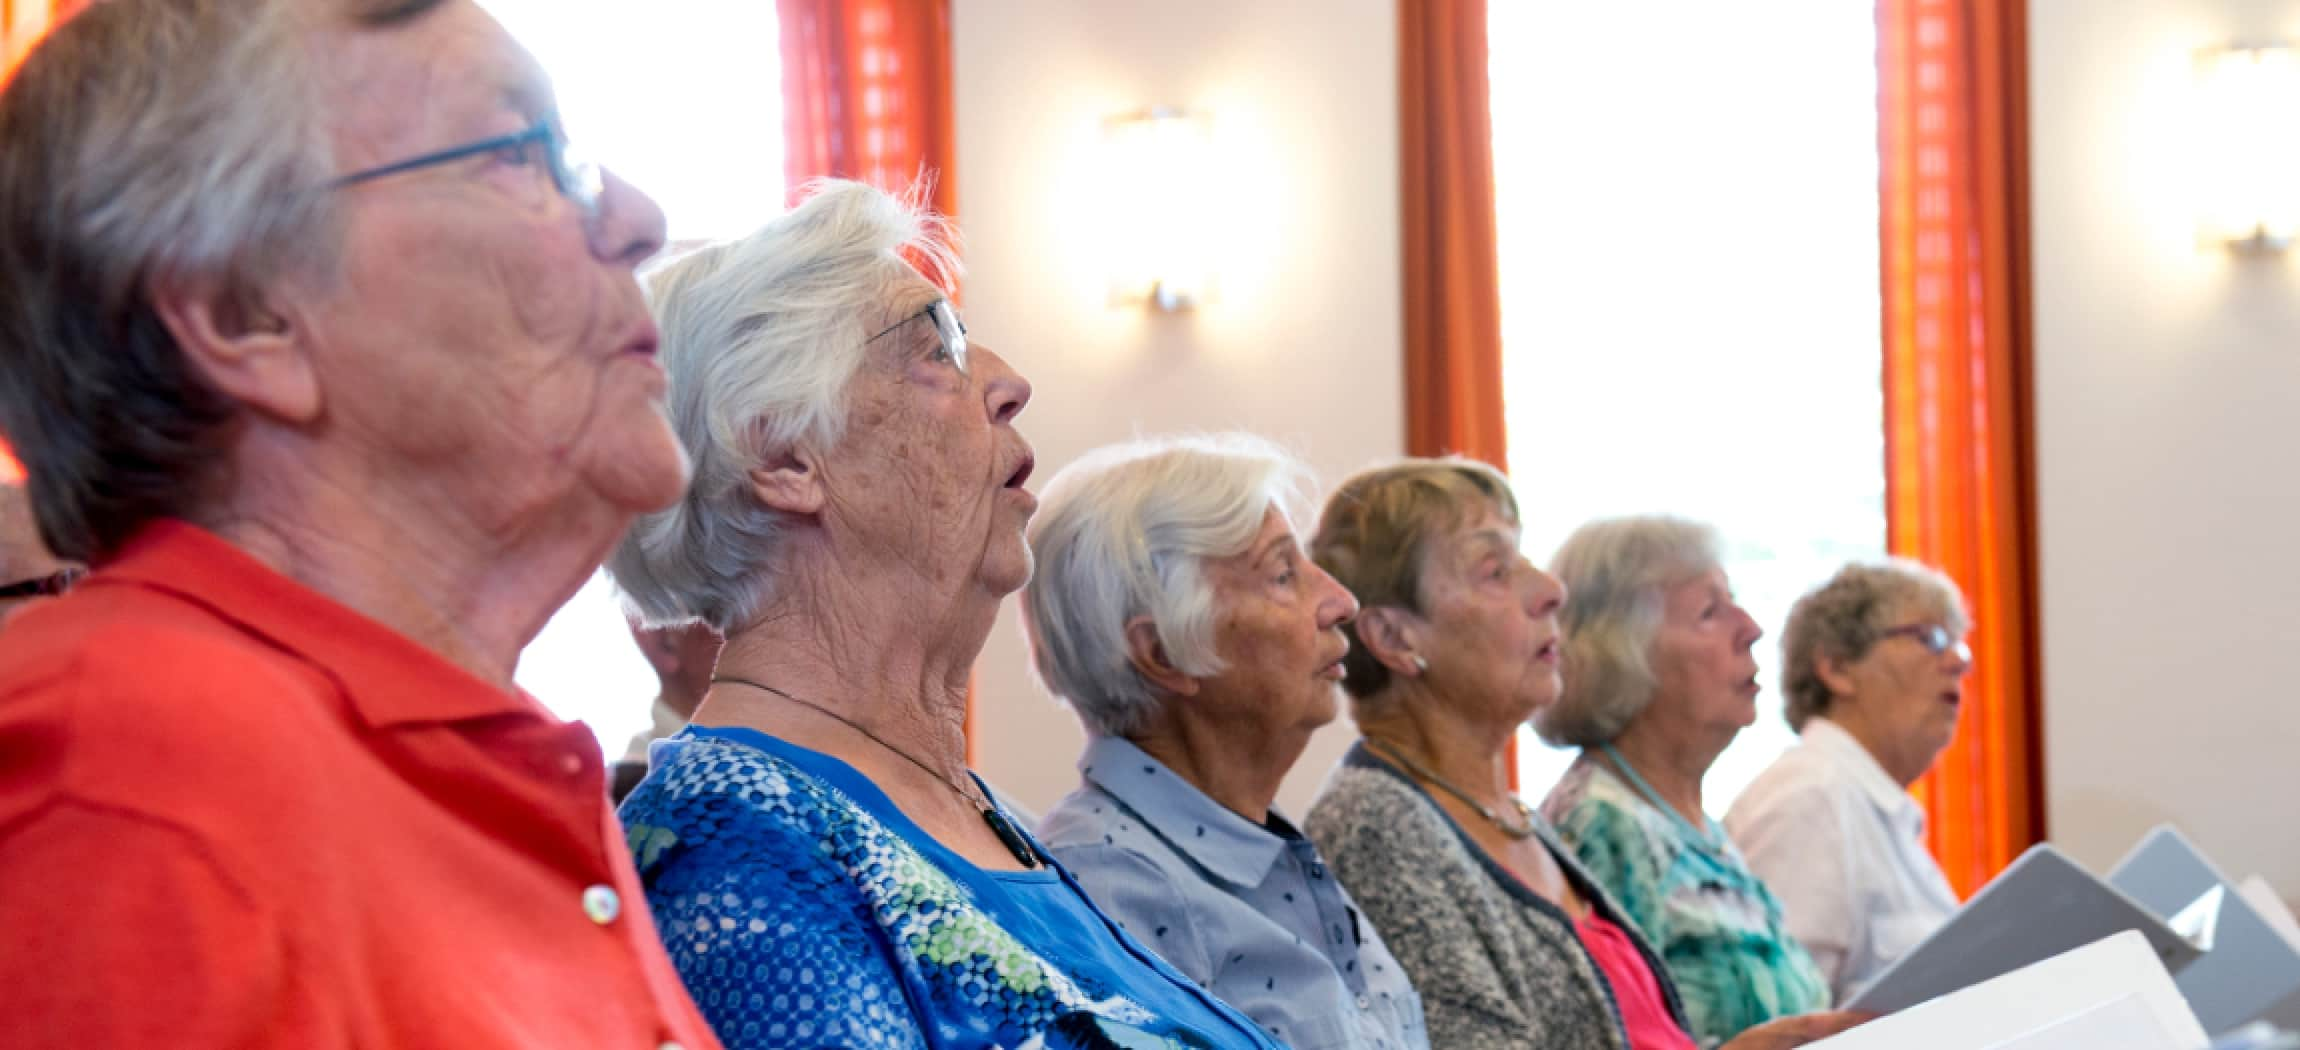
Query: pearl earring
point(1421, 664)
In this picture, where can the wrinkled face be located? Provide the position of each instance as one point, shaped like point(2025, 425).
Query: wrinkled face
point(1908, 692)
point(483, 338)
point(930, 471)
point(1278, 629)
point(1493, 635)
point(1705, 673)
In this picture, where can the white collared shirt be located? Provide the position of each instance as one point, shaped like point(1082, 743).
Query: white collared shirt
point(1842, 845)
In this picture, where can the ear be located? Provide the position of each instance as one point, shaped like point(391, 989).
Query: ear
point(1148, 655)
point(660, 647)
point(1388, 634)
point(241, 343)
point(1834, 673)
point(791, 482)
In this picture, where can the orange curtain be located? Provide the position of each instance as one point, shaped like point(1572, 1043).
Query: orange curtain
point(1452, 264)
point(867, 93)
point(1452, 267)
point(1959, 452)
point(23, 23)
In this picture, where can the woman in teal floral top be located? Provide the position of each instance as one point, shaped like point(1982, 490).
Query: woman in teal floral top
point(1659, 679)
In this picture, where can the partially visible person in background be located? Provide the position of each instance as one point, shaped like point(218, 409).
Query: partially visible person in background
point(682, 656)
point(27, 570)
point(1872, 666)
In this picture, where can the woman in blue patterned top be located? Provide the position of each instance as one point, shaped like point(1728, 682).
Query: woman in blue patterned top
point(1659, 679)
point(824, 869)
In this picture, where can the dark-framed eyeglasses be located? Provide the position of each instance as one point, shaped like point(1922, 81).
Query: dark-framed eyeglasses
point(1935, 638)
point(576, 178)
point(42, 586)
point(947, 327)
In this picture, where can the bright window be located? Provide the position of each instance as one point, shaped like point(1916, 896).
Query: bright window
point(1687, 200)
point(683, 98)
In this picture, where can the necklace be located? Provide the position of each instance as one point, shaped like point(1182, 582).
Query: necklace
point(1008, 835)
point(1712, 837)
point(1523, 829)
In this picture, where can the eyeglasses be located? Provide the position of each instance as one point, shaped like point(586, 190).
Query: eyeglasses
point(41, 586)
point(577, 179)
point(947, 327)
point(1935, 638)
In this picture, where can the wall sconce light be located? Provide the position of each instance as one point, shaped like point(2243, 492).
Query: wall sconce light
point(1160, 182)
point(2249, 160)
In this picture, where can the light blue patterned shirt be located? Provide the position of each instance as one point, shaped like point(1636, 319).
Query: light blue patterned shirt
point(1247, 910)
point(804, 910)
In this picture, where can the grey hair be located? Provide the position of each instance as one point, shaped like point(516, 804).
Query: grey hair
point(761, 337)
point(1618, 571)
point(1126, 531)
point(1841, 620)
point(147, 140)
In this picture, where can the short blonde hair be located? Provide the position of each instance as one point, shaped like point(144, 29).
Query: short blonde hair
point(1374, 537)
point(1617, 570)
point(1842, 619)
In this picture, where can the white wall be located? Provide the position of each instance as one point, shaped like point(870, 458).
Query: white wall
point(2168, 418)
point(1303, 344)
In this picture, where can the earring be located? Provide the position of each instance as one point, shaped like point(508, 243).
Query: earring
point(1421, 663)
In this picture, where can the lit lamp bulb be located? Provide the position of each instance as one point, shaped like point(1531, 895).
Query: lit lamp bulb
point(1160, 186)
point(2249, 159)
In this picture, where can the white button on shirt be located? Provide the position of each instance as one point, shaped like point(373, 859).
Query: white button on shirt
point(1841, 844)
point(602, 904)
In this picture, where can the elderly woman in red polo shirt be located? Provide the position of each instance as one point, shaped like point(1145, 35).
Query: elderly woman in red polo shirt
point(319, 350)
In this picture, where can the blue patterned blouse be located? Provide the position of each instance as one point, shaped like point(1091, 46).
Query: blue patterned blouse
point(804, 910)
point(1691, 894)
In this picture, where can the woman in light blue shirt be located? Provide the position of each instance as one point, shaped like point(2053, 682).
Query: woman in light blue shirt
point(1175, 612)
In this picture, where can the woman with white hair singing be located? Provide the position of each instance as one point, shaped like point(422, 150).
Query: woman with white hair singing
point(826, 870)
point(1176, 613)
point(1872, 665)
point(1659, 678)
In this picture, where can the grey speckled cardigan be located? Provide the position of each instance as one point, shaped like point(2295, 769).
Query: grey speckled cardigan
point(1496, 965)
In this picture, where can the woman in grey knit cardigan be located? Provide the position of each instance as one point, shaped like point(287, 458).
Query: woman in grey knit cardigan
point(1510, 943)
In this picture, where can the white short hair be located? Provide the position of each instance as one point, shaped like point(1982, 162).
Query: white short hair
point(761, 337)
point(1616, 572)
point(1126, 531)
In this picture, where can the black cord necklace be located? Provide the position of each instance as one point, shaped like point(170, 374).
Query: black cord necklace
point(1008, 835)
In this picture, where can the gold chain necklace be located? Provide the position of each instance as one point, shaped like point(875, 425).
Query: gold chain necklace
point(1008, 835)
point(1522, 830)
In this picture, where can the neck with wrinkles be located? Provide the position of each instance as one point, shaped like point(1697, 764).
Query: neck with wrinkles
point(867, 643)
point(473, 592)
point(1443, 734)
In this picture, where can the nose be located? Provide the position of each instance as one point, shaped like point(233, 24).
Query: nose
point(1004, 390)
point(1751, 630)
point(1961, 657)
point(1547, 593)
point(627, 227)
point(1337, 605)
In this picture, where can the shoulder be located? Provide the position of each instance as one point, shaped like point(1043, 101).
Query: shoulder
point(1087, 815)
point(144, 703)
point(1796, 789)
point(1362, 807)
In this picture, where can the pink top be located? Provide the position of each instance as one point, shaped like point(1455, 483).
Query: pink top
point(1644, 1010)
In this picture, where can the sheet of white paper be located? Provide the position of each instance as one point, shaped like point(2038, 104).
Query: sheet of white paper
point(2033, 999)
point(2123, 1023)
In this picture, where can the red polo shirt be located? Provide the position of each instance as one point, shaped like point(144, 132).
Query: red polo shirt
point(234, 813)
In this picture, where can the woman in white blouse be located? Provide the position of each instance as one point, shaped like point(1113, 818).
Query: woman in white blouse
point(1873, 667)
